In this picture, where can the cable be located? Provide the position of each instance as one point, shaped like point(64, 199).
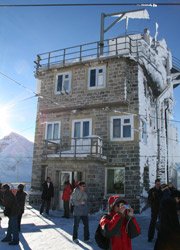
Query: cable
point(145, 4)
point(20, 84)
point(28, 89)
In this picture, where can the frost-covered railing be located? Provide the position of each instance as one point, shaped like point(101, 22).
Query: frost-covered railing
point(176, 63)
point(60, 58)
point(154, 55)
point(75, 147)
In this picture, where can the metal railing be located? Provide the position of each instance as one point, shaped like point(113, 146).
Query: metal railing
point(176, 63)
point(75, 147)
point(133, 45)
point(90, 51)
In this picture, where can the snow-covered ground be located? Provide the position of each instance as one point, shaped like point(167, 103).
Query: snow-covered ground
point(53, 232)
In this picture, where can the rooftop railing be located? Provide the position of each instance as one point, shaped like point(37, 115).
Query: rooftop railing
point(89, 51)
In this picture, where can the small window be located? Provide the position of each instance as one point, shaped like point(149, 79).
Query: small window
point(115, 181)
point(121, 128)
point(53, 131)
point(63, 83)
point(144, 132)
point(97, 77)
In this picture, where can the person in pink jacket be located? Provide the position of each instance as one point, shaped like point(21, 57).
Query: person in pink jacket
point(120, 225)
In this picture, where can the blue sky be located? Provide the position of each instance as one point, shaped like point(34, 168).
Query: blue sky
point(26, 32)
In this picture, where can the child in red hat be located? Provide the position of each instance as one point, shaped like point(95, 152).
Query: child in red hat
point(121, 226)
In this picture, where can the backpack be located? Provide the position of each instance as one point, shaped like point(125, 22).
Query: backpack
point(102, 241)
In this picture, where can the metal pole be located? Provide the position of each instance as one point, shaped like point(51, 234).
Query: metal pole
point(102, 34)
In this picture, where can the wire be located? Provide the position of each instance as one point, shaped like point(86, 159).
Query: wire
point(145, 4)
point(28, 89)
point(20, 84)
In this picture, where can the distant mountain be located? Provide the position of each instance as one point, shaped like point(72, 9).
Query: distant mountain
point(16, 154)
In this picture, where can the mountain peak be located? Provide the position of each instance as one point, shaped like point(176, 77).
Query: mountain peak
point(13, 137)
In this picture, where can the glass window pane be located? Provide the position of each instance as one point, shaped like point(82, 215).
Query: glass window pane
point(100, 80)
point(110, 181)
point(66, 85)
point(126, 120)
point(116, 128)
point(115, 181)
point(85, 128)
point(92, 78)
point(127, 131)
point(49, 131)
point(56, 131)
point(59, 83)
point(77, 126)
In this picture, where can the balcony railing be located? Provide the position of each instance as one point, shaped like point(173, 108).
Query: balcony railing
point(76, 147)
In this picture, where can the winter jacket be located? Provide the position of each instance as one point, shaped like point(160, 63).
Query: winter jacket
point(10, 204)
point(168, 242)
point(154, 198)
point(67, 192)
point(48, 192)
point(169, 228)
point(21, 198)
point(116, 229)
point(79, 201)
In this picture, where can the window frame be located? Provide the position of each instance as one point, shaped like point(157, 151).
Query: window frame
point(131, 117)
point(59, 132)
point(56, 83)
point(103, 67)
point(81, 130)
point(106, 180)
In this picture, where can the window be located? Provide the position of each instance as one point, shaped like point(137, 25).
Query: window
point(96, 77)
point(144, 131)
point(121, 128)
point(63, 83)
point(53, 131)
point(81, 128)
point(115, 181)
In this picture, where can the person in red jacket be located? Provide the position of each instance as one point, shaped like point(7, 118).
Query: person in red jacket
point(120, 225)
point(67, 191)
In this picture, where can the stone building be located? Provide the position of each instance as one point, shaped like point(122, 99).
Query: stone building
point(103, 118)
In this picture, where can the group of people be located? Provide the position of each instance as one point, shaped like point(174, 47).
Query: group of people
point(13, 209)
point(165, 208)
point(78, 198)
point(119, 226)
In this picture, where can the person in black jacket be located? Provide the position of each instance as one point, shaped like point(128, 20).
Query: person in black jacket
point(21, 198)
point(154, 198)
point(11, 211)
point(169, 227)
point(47, 194)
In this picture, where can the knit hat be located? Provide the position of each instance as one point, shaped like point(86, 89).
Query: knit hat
point(21, 186)
point(6, 187)
point(115, 199)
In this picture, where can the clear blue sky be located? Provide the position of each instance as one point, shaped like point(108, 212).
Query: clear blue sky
point(26, 32)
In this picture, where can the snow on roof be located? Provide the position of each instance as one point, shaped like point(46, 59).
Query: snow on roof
point(153, 55)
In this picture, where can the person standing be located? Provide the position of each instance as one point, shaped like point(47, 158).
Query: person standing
point(79, 200)
point(67, 191)
point(168, 237)
point(154, 199)
point(21, 198)
point(119, 225)
point(47, 195)
point(11, 211)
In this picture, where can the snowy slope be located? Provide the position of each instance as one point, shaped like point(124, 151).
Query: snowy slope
point(15, 158)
